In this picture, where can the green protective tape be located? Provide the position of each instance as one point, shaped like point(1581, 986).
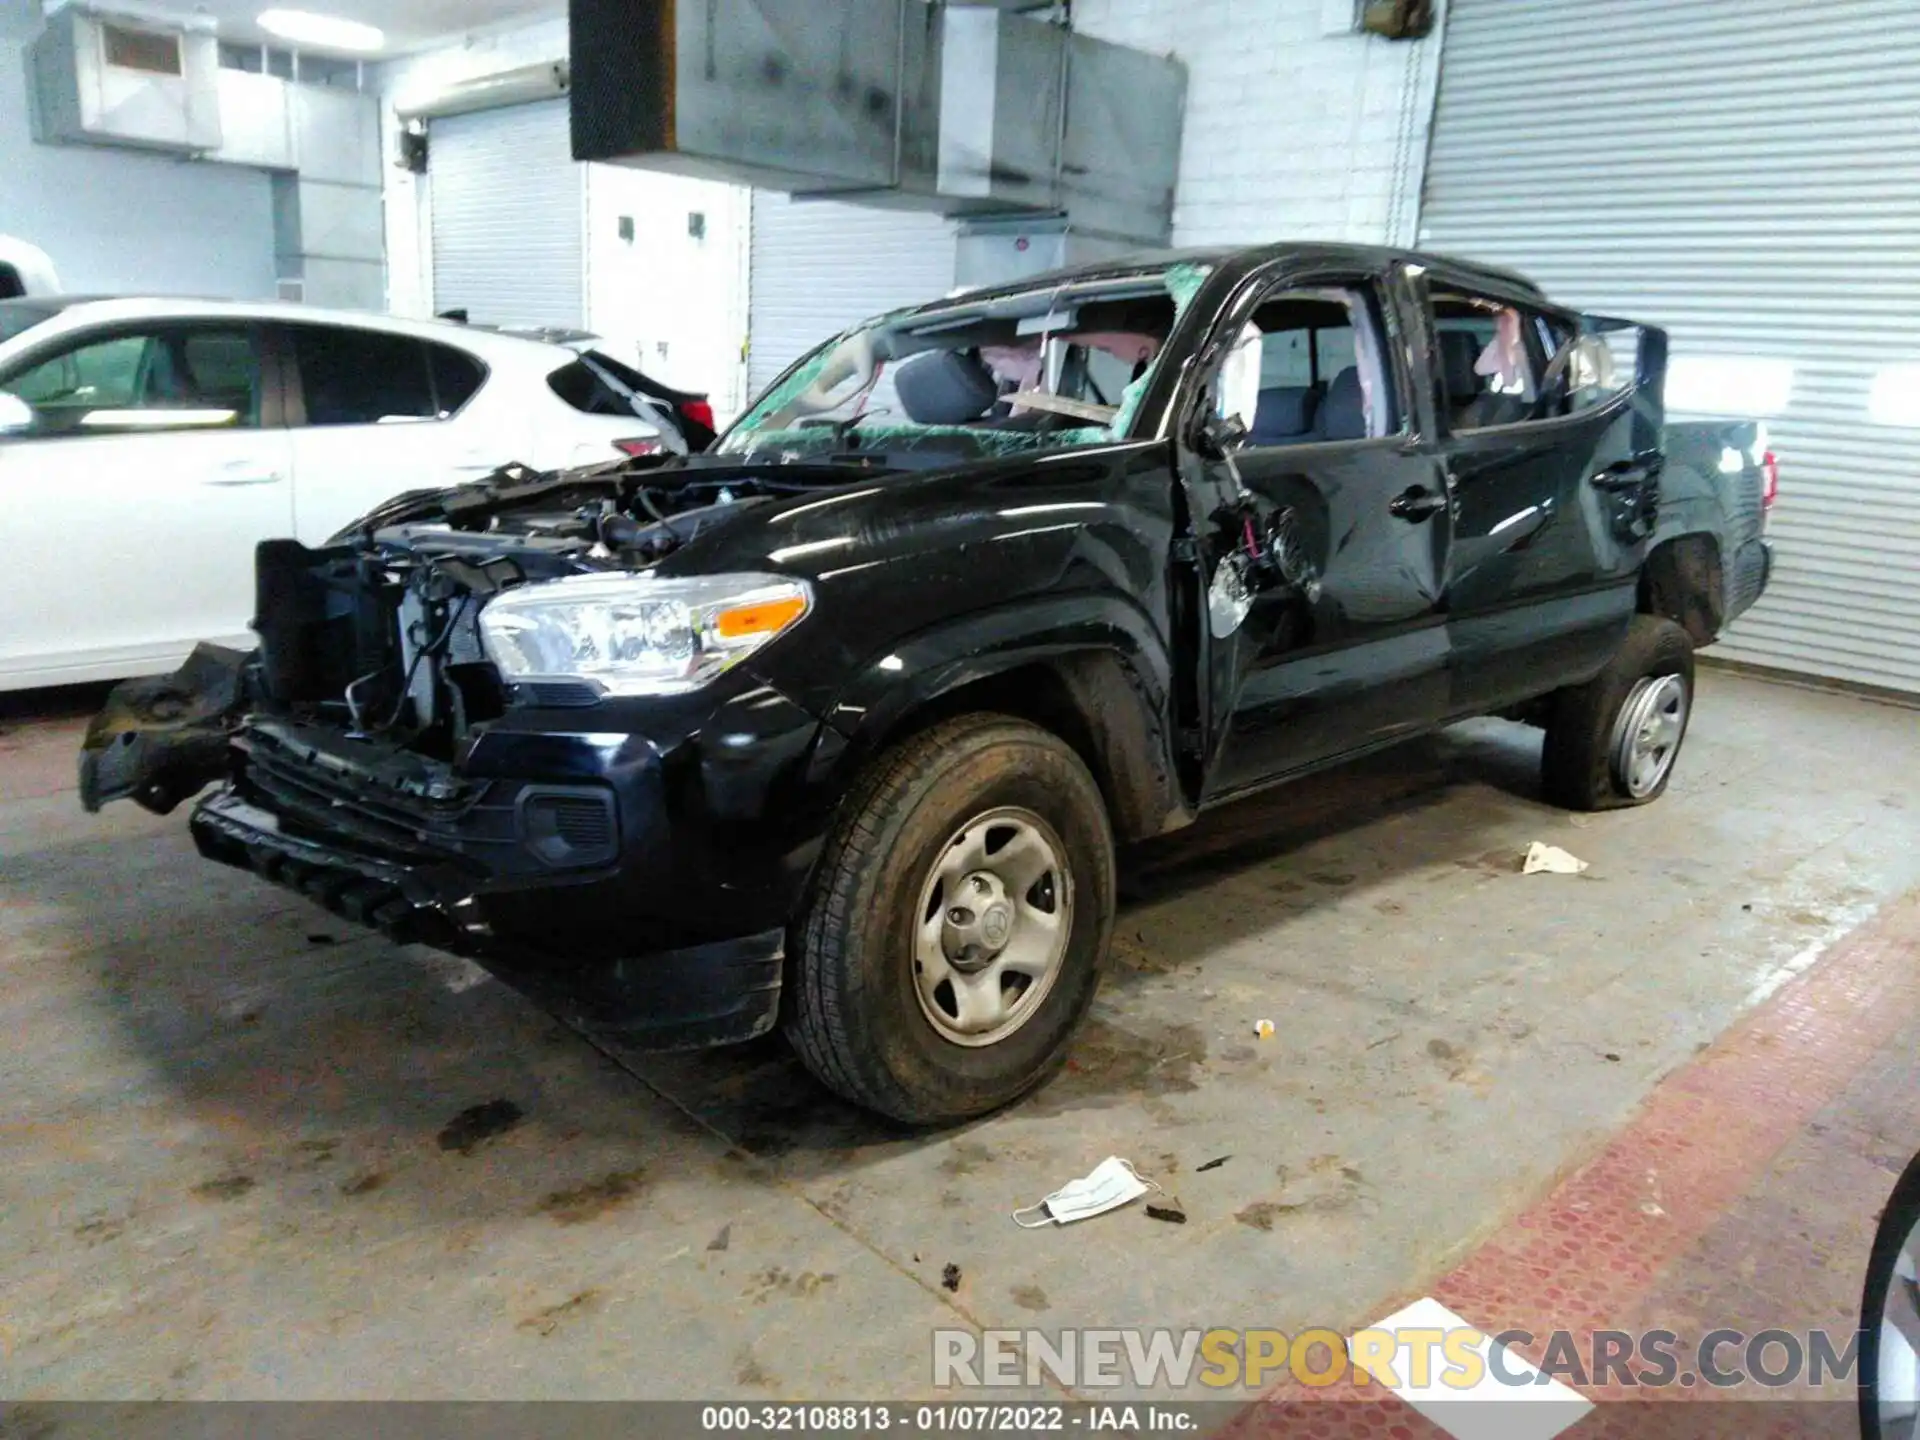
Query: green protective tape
point(1183, 282)
point(990, 442)
point(781, 395)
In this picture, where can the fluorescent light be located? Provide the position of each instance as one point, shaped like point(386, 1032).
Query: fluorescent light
point(325, 32)
point(1744, 385)
point(1895, 397)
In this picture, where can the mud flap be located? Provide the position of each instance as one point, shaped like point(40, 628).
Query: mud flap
point(161, 739)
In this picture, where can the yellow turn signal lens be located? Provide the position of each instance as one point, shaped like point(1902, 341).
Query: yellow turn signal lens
point(766, 617)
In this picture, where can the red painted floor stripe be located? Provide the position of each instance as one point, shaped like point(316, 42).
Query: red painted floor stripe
point(1581, 1259)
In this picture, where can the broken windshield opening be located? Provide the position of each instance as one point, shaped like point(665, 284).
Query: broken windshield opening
point(1055, 366)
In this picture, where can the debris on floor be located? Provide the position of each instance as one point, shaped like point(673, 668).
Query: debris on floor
point(1213, 1164)
point(1172, 1214)
point(1546, 859)
point(1263, 1029)
point(950, 1276)
point(1111, 1184)
point(477, 1124)
point(722, 1240)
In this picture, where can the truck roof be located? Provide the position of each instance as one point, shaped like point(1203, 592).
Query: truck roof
point(1369, 257)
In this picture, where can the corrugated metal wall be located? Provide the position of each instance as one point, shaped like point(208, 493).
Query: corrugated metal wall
point(509, 213)
point(1745, 173)
point(818, 267)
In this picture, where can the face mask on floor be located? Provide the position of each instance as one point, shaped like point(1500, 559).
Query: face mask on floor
point(1112, 1184)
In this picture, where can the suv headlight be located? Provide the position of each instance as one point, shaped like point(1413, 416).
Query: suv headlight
point(637, 634)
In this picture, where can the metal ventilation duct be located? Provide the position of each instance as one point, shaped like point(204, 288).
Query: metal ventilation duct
point(960, 109)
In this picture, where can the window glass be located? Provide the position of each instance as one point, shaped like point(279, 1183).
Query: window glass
point(1489, 368)
point(1303, 372)
point(1040, 367)
point(12, 287)
point(579, 386)
point(457, 378)
point(361, 377)
point(170, 378)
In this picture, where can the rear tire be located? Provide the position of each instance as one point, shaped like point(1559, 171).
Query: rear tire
point(874, 1015)
point(1614, 741)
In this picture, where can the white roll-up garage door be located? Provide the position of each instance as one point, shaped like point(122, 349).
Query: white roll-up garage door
point(819, 266)
point(1740, 172)
point(509, 211)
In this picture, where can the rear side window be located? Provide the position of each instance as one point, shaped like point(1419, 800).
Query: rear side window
point(12, 287)
point(457, 378)
point(361, 377)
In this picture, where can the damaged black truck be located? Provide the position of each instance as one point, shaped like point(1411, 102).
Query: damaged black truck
point(837, 726)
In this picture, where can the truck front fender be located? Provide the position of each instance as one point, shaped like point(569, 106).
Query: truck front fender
point(1092, 668)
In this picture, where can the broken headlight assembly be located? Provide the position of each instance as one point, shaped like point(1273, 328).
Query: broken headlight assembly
point(637, 634)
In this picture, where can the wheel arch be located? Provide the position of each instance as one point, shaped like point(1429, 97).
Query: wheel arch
point(1684, 580)
point(1095, 676)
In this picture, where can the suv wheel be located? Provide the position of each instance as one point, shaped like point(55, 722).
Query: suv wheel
point(1613, 741)
point(957, 925)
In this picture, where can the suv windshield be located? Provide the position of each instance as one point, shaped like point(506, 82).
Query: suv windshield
point(1055, 365)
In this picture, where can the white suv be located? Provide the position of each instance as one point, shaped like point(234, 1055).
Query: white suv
point(147, 445)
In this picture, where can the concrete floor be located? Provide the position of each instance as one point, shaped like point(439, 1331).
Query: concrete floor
point(231, 1164)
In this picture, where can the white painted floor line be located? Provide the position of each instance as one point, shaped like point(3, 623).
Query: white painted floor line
point(1490, 1409)
point(1850, 919)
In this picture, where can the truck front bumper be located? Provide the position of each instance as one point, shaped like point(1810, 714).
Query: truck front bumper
point(637, 879)
point(713, 992)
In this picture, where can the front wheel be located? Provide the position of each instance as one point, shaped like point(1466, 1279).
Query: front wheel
point(957, 925)
point(1613, 742)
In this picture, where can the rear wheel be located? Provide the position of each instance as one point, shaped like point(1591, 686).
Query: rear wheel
point(957, 925)
point(1613, 742)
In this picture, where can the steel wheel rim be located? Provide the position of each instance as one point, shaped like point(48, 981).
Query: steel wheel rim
point(1896, 1377)
point(1647, 735)
point(991, 930)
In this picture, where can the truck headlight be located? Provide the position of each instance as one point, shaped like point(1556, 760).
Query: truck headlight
point(637, 634)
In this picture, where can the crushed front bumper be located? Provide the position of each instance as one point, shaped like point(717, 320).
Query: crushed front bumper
point(687, 997)
point(632, 869)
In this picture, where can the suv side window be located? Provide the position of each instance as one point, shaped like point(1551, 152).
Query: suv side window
point(364, 377)
point(163, 377)
point(457, 378)
point(1309, 368)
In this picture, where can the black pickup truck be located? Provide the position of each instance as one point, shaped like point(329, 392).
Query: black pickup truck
point(837, 726)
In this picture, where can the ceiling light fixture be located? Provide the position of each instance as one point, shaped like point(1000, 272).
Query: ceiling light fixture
point(325, 32)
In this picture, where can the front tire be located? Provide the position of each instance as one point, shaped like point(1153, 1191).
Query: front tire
point(957, 926)
point(1614, 741)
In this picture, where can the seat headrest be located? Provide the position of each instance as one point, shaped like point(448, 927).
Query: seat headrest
point(944, 387)
point(1459, 352)
point(1284, 412)
point(1343, 414)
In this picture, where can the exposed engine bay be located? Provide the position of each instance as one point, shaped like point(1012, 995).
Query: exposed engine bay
point(378, 633)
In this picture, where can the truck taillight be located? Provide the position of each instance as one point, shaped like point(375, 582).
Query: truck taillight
point(1770, 472)
point(700, 412)
point(643, 445)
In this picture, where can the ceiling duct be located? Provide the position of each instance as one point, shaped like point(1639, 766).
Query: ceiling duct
point(967, 110)
point(101, 79)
